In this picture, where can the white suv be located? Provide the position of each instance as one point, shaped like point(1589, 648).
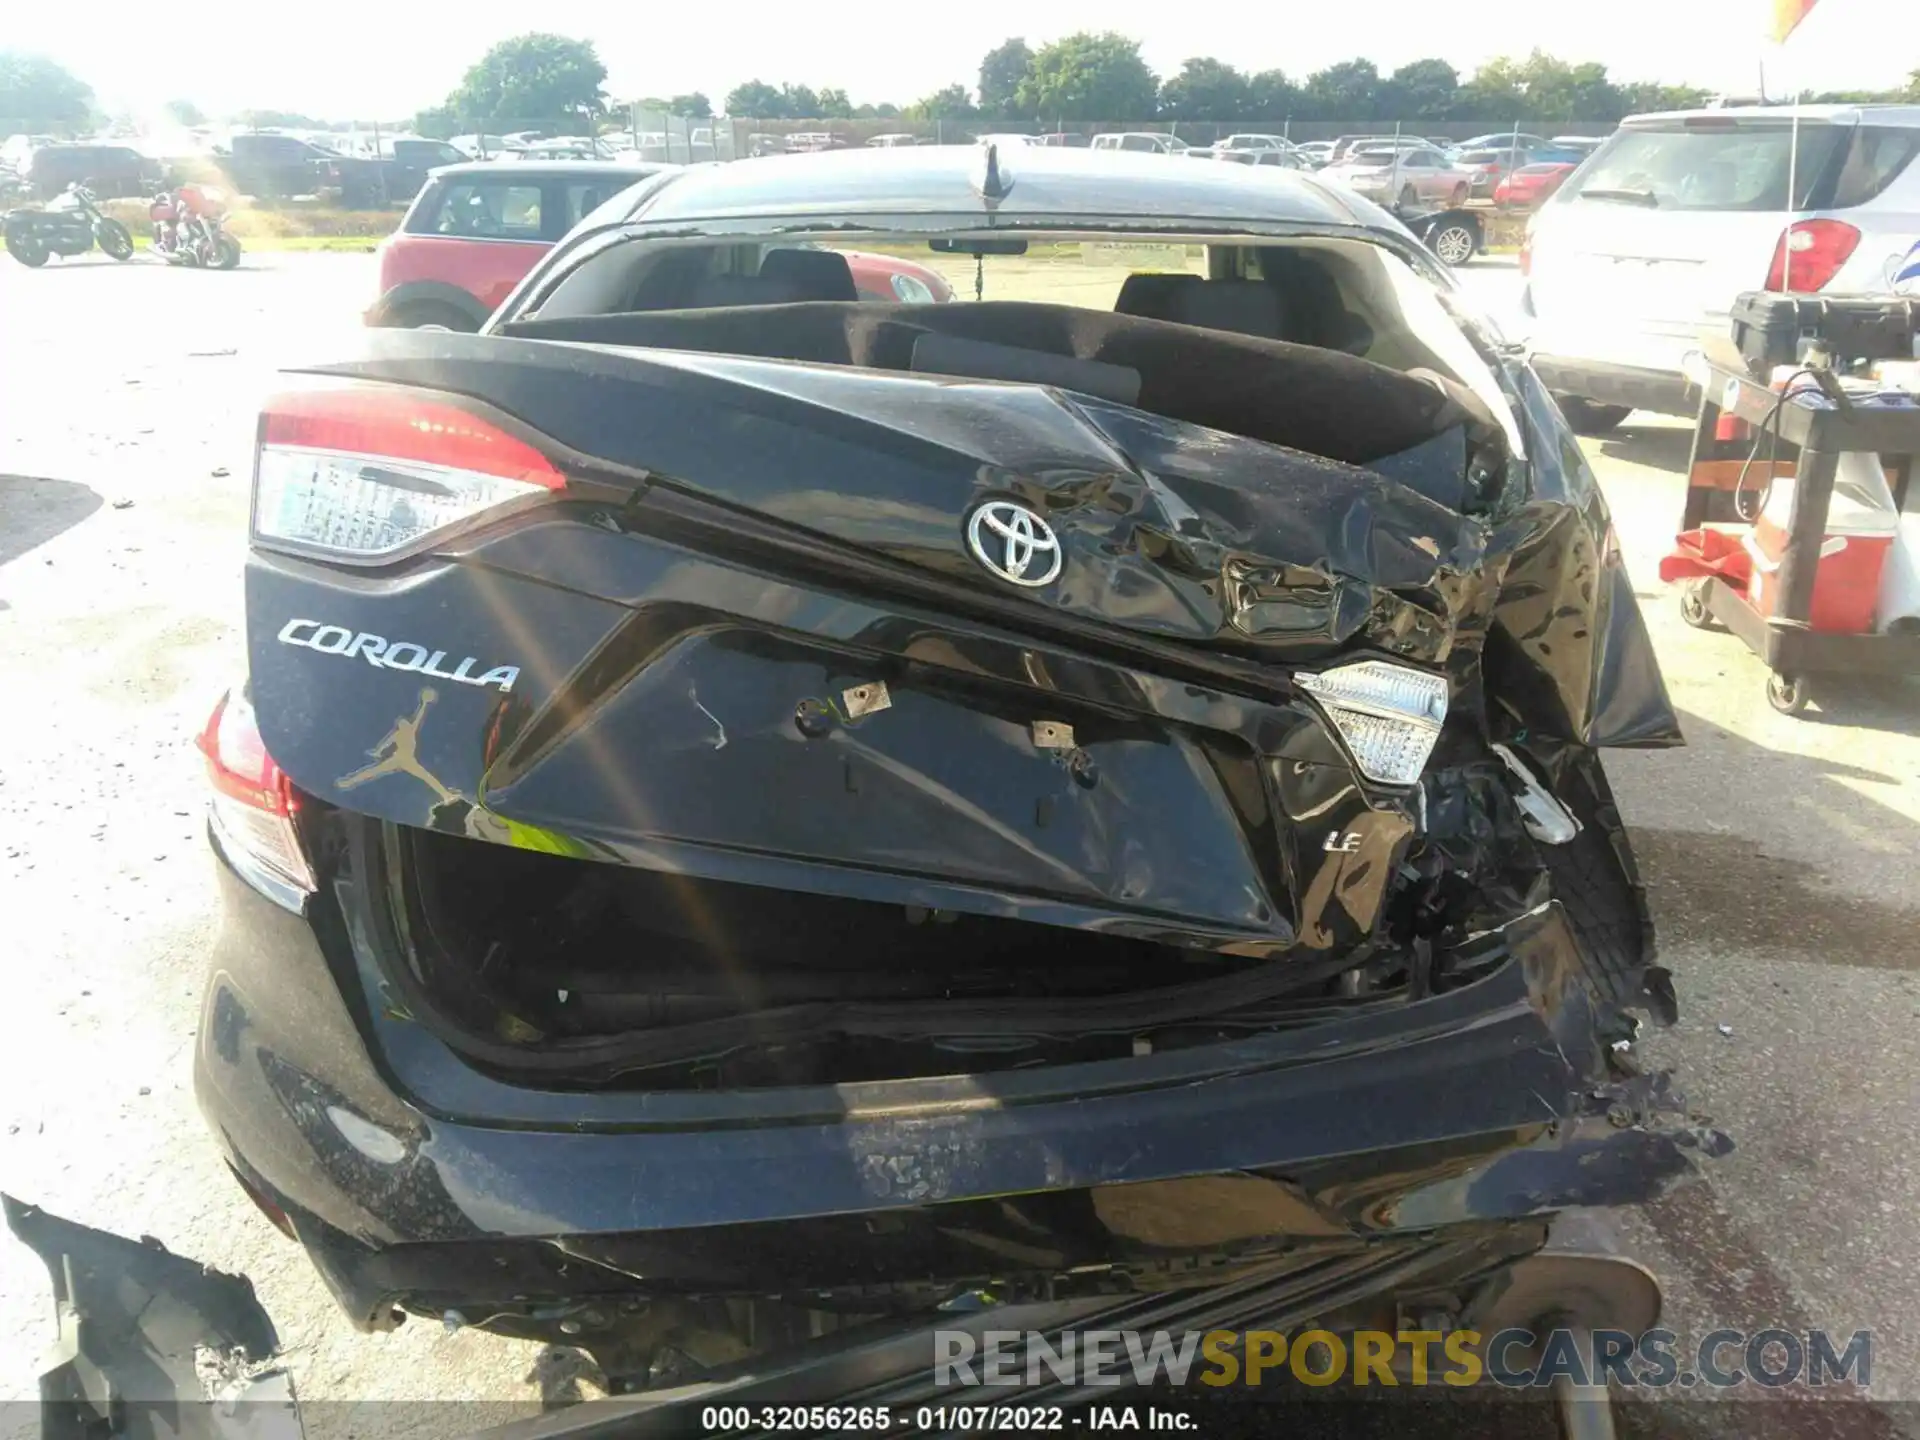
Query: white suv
point(1641, 252)
point(1150, 142)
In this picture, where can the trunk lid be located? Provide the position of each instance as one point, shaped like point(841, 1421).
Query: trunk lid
point(751, 641)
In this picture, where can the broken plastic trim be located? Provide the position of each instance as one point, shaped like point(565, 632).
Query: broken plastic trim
point(1546, 819)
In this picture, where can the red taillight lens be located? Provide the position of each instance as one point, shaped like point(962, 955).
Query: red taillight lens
point(368, 472)
point(1526, 255)
point(1809, 253)
point(254, 803)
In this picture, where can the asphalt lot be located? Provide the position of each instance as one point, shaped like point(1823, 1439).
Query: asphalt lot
point(1781, 853)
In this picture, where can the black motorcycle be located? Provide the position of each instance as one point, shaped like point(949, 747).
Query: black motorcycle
point(71, 224)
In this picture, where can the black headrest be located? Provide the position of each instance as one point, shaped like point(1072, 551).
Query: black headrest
point(1239, 307)
point(814, 274)
point(715, 292)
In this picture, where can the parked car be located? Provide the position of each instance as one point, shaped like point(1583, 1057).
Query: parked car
point(478, 228)
point(1072, 139)
point(273, 166)
point(1487, 168)
point(747, 816)
point(1505, 140)
point(1580, 145)
point(888, 142)
point(1642, 250)
point(110, 172)
point(1408, 178)
point(1315, 154)
point(1273, 159)
point(1254, 142)
point(1347, 144)
point(1531, 184)
point(1006, 140)
point(483, 147)
point(1146, 142)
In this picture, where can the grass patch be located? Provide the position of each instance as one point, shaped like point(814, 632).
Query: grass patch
point(294, 227)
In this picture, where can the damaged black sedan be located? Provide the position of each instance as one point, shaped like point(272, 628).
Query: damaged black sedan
point(755, 811)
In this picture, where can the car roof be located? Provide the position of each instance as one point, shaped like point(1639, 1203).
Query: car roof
point(1047, 184)
point(579, 169)
point(1903, 115)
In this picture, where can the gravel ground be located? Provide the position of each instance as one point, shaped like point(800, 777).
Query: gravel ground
point(1780, 853)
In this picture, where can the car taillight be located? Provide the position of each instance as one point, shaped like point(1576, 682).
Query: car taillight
point(1526, 253)
point(1809, 253)
point(254, 803)
point(367, 472)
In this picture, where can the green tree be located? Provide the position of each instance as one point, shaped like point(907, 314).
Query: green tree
point(1271, 96)
point(1645, 97)
point(533, 77)
point(1555, 90)
point(834, 105)
point(1347, 91)
point(1420, 90)
point(800, 102)
point(756, 100)
point(1497, 91)
point(1205, 89)
point(1002, 72)
point(436, 123)
point(184, 112)
point(1913, 88)
point(952, 103)
point(1090, 77)
point(38, 95)
point(695, 105)
point(886, 110)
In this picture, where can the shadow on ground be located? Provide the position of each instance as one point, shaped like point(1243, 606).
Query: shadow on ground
point(34, 509)
point(1659, 447)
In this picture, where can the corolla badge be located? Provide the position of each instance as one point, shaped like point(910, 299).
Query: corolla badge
point(1014, 543)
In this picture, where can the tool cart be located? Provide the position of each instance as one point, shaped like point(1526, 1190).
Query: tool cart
point(1787, 409)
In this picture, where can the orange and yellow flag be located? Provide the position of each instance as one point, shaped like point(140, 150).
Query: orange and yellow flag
point(1787, 14)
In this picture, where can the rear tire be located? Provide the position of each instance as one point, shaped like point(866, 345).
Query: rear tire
point(28, 250)
point(1589, 417)
point(226, 253)
point(1595, 882)
point(1455, 244)
point(427, 313)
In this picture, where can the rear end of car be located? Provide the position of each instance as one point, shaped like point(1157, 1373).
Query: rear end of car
point(718, 826)
point(1637, 258)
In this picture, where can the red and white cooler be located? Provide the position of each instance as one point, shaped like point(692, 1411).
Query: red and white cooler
point(1861, 526)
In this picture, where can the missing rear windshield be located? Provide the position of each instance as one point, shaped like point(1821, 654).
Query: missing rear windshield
point(1738, 165)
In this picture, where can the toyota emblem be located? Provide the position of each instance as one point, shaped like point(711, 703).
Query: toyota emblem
point(1014, 543)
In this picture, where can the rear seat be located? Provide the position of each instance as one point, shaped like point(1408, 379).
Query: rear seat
point(1239, 307)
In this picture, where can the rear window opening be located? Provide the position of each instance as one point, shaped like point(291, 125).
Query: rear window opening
point(808, 302)
point(1743, 165)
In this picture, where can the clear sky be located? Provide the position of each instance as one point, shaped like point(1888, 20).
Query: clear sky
point(371, 58)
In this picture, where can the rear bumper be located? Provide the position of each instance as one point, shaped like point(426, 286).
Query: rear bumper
point(416, 1180)
point(1666, 392)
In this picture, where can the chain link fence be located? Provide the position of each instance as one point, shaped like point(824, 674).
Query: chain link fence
point(667, 137)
